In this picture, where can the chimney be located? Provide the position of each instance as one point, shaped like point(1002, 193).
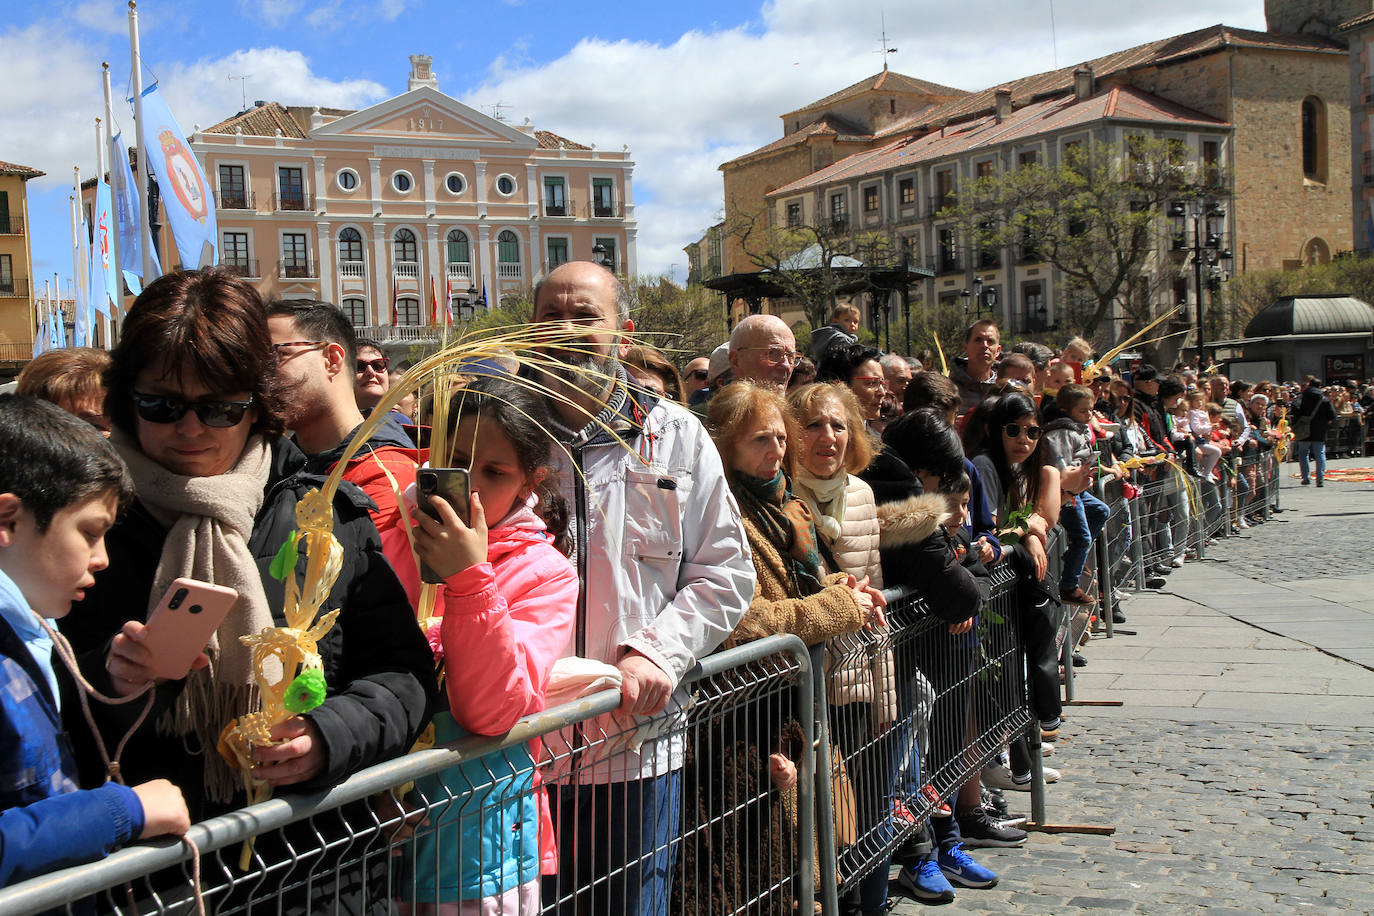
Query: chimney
point(1003, 97)
point(422, 72)
point(1083, 82)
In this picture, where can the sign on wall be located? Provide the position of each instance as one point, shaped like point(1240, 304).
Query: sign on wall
point(1344, 367)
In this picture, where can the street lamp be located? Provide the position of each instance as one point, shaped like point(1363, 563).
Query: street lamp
point(1207, 248)
point(980, 299)
point(467, 309)
point(599, 255)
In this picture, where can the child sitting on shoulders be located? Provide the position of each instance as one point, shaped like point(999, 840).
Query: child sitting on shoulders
point(61, 486)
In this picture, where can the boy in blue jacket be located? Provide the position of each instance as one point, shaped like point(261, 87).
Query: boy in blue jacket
point(61, 486)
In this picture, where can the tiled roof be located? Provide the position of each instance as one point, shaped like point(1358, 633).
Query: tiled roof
point(263, 121)
point(886, 80)
point(1122, 103)
point(550, 140)
point(23, 171)
point(829, 125)
point(1153, 53)
point(1357, 22)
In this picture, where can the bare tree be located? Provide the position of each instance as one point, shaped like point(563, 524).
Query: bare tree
point(1099, 216)
point(811, 262)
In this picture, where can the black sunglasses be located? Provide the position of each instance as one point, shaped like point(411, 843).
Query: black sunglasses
point(1012, 430)
point(379, 365)
point(156, 408)
point(699, 374)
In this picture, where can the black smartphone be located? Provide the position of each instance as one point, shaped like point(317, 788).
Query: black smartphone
point(450, 484)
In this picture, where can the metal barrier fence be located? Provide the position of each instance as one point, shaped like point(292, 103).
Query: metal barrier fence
point(686, 813)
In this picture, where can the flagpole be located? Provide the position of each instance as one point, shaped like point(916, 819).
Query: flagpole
point(136, 84)
point(115, 263)
point(99, 176)
point(76, 258)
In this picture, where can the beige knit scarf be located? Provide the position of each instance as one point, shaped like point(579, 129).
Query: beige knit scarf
point(826, 499)
point(208, 522)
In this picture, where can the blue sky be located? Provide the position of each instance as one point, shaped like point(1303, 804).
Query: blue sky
point(685, 86)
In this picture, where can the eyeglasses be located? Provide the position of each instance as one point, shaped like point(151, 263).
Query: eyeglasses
point(296, 344)
point(156, 408)
point(698, 374)
point(775, 355)
point(1014, 430)
point(378, 365)
point(871, 382)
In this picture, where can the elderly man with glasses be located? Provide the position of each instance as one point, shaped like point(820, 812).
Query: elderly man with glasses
point(763, 350)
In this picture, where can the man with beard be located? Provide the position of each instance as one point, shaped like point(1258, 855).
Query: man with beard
point(316, 355)
point(666, 576)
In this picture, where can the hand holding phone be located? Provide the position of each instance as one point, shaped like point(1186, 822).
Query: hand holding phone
point(182, 624)
point(445, 540)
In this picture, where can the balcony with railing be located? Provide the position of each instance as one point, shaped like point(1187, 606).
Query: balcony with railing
point(460, 273)
point(947, 262)
point(14, 287)
point(11, 225)
point(285, 201)
point(406, 270)
point(938, 202)
point(510, 271)
point(403, 334)
point(243, 267)
point(566, 207)
point(605, 209)
point(297, 269)
point(240, 200)
point(354, 270)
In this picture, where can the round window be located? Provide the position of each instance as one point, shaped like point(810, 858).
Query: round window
point(348, 180)
point(505, 185)
point(402, 182)
point(455, 183)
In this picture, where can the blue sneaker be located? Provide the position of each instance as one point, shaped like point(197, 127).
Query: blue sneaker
point(959, 867)
point(926, 882)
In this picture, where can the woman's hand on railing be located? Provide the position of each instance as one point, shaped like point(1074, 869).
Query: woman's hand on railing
point(1036, 548)
point(871, 601)
point(959, 629)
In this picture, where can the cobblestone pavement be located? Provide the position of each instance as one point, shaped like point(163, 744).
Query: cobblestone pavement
point(1237, 772)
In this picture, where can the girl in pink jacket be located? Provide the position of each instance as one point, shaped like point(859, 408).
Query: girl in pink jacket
point(504, 616)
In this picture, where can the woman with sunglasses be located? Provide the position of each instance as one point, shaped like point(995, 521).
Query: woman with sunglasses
point(195, 401)
point(1004, 436)
point(373, 377)
point(857, 366)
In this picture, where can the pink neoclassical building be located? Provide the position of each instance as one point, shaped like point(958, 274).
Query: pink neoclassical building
point(369, 208)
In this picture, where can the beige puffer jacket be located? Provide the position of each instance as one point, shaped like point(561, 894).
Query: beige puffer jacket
point(859, 665)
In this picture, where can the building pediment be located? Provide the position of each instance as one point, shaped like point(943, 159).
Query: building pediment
point(428, 115)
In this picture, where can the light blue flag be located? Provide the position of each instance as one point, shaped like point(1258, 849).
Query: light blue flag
point(40, 336)
point(81, 321)
point(103, 291)
point(57, 328)
point(185, 192)
point(125, 205)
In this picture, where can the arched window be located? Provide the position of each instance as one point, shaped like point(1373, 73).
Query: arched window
point(508, 247)
point(404, 243)
point(350, 245)
point(1313, 139)
point(458, 247)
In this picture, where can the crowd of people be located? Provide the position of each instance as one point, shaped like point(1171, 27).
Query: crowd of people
point(621, 513)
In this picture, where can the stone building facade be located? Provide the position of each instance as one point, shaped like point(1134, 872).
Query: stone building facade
point(1281, 96)
point(17, 317)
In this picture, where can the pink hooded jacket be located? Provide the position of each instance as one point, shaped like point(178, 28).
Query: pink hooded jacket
point(506, 622)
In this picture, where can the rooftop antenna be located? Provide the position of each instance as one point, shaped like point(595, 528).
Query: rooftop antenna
point(883, 49)
point(495, 108)
point(243, 88)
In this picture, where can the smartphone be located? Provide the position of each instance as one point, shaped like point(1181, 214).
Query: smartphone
point(452, 485)
point(183, 622)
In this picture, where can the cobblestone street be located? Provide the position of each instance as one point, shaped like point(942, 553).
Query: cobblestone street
point(1237, 770)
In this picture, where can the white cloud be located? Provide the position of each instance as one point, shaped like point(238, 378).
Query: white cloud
point(686, 106)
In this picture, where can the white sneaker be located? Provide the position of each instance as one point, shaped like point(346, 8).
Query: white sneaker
point(1177, 562)
point(997, 776)
point(1051, 774)
point(1243, 524)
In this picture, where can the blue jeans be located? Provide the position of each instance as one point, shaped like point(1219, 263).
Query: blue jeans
point(1082, 522)
point(603, 829)
point(1316, 450)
